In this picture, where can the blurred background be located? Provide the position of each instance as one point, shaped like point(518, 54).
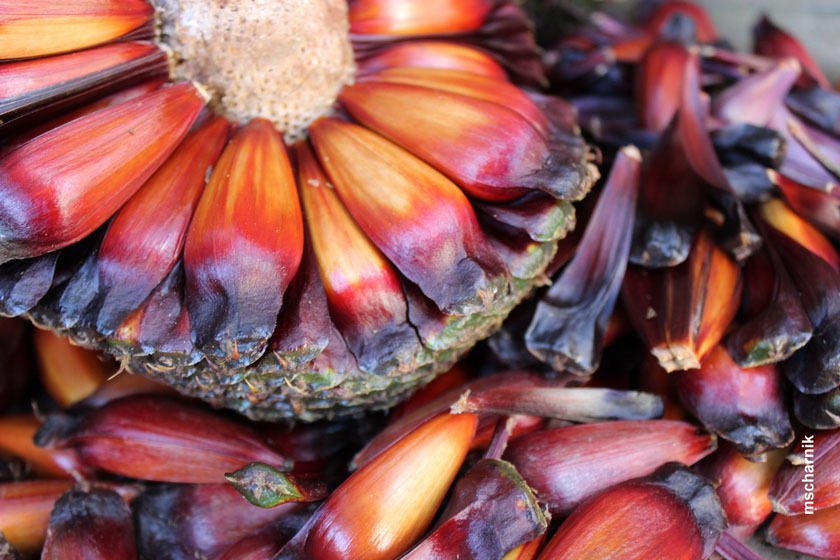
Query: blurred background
point(815, 22)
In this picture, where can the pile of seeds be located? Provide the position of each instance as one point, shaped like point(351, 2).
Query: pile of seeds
point(673, 393)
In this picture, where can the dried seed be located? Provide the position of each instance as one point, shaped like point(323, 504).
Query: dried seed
point(243, 247)
point(489, 150)
point(376, 329)
point(33, 89)
point(140, 247)
point(568, 327)
point(433, 54)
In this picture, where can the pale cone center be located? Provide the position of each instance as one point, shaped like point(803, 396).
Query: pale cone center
point(284, 60)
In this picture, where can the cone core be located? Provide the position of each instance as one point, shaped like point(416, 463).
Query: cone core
point(284, 60)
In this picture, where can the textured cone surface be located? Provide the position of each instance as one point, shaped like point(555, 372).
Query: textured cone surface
point(307, 280)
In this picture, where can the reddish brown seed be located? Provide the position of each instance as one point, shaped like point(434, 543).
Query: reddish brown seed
point(103, 103)
point(141, 246)
point(243, 247)
point(16, 437)
point(25, 511)
point(816, 535)
point(69, 373)
point(351, 268)
point(33, 89)
point(743, 405)
point(204, 520)
point(46, 27)
point(407, 223)
point(417, 17)
point(489, 150)
point(469, 85)
point(94, 524)
point(682, 312)
point(569, 464)
point(780, 216)
point(491, 499)
point(673, 514)
point(412, 478)
point(775, 323)
point(62, 185)
point(809, 258)
point(771, 40)
point(810, 480)
point(152, 437)
point(742, 486)
point(817, 206)
point(659, 83)
point(433, 54)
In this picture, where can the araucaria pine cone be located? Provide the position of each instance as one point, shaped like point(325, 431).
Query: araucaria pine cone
point(285, 207)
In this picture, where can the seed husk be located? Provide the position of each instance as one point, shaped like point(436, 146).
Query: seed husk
point(569, 324)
